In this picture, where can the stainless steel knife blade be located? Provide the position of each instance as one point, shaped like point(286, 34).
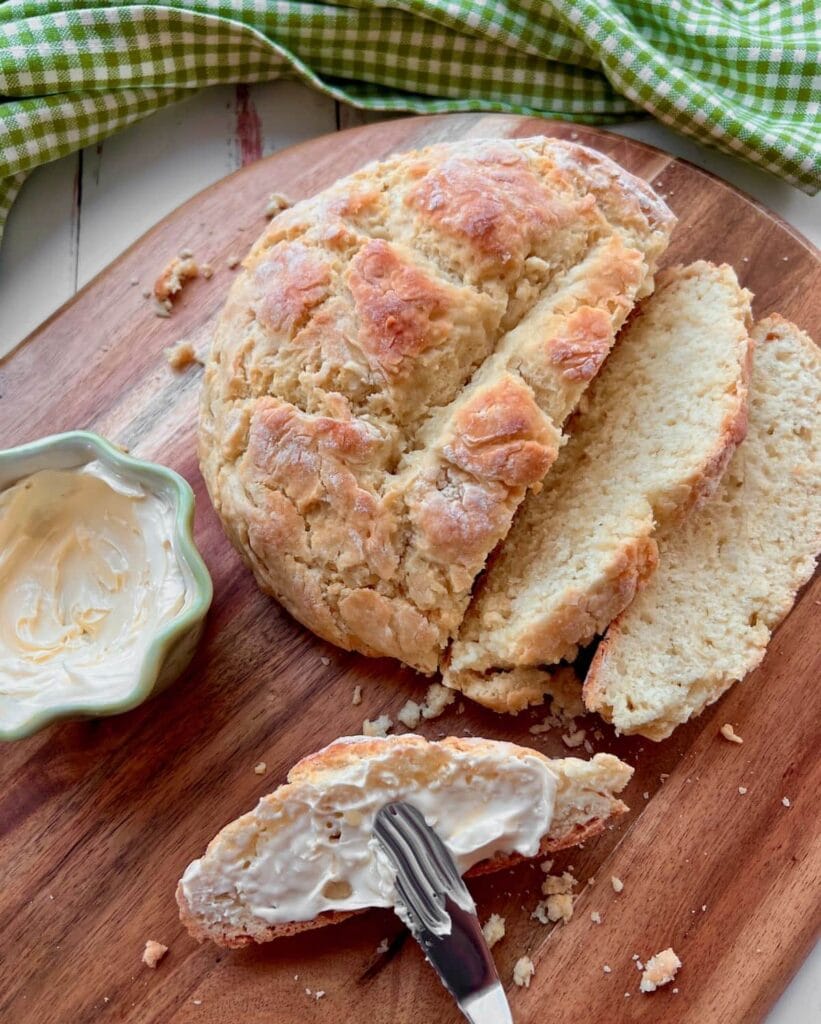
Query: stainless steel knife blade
point(432, 900)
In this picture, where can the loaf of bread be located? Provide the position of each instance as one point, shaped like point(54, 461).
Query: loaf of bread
point(730, 574)
point(658, 426)
point(393, 366)
point(306, 855)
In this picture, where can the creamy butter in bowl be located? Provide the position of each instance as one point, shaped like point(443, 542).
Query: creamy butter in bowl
point(103, 594)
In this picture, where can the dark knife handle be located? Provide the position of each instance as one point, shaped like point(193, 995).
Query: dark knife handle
point(433, 900)
point(462, 958)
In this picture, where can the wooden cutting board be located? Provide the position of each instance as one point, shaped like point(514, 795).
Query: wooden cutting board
point(98, 819)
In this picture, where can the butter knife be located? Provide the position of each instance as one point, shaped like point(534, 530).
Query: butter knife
point(432, 900)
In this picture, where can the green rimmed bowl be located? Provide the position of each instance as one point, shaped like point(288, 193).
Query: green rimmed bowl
point(172, 647)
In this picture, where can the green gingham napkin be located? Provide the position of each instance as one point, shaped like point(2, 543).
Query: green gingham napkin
point(741, 75)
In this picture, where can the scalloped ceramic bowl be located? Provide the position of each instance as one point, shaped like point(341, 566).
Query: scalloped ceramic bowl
point(173, 646)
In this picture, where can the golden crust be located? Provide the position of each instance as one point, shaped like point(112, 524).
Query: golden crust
point(392, 369)
point(581, 786)
point(510, 691)
point(502, 435)
point(583, 345)
point(401, 310)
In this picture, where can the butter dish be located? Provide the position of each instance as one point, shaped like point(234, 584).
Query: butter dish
point(103, 594)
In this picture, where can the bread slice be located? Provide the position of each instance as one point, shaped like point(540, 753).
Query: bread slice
point(658, 427)
point(730, 574)
point(392, 368)
point(306, 857)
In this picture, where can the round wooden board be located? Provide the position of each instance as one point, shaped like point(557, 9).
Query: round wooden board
point(98, 819)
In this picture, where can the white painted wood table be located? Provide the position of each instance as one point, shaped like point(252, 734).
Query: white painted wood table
point(74, 216)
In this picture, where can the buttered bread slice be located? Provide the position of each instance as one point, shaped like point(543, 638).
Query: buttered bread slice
point(730, 574)
point(393, 366)
point(659, 425)
point(306, 855)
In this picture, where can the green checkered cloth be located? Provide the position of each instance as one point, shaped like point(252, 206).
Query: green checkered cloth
point(741, 75)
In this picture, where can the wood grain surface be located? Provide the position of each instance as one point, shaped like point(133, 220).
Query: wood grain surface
point(98, 819)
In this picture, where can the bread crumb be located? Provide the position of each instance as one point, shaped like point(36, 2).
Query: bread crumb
point(574, 739)
point(785, 800)
point(559, 903)
point(560, 907)
point(134, 281)
point(617, 883)
point(382, 947)
point(493, 930)
point(277, 202)
point(197, 1002)
point(260, 768)
point(182, 355)
point(357, 695)
point(410, 714)
point(378, 727)
point(320, 992)
point(173, 278)
point(325, 661)
point(153, 953)
point(606, 968)
point(742, 790)
point(232, 261)
point(437, 699)
point(595, 917)
point(540, 913)
point(730, 734)
point(546, 866)
point(660, 970)
point(162, 309)
point(523, 971)
point(206, 271)
point(558, 884)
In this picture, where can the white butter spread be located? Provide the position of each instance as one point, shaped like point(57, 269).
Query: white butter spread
point(88, 575)
point(312, 850)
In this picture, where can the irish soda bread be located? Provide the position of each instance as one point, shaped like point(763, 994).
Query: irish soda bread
point(657, 429)
point(393, 366)
point(306, 856)
point(729, 575)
